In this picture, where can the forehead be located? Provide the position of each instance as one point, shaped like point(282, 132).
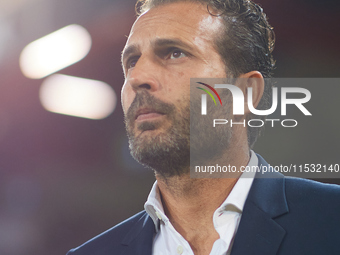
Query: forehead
point(188, 21)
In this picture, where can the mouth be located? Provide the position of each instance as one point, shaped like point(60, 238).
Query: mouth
point(147, 114)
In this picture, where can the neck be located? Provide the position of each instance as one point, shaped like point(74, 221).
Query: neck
point(183, 194)
point(190, 203)
point(186, 196)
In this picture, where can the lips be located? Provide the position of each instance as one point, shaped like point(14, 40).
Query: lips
point(147, 113)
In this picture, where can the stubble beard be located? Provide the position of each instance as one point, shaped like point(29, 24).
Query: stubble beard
point(168, 152)
point(209, 144)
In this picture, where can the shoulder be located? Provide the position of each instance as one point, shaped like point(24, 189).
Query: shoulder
point(312, 206)
point(312, 222)
point(110, 241)
point(309, 189)
point(308, 193)
point(298, 189)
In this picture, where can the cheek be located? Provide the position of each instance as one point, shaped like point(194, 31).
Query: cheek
point(126, 98)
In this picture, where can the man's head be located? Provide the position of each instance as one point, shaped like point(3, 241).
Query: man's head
point(171, 42)
point(245, 42)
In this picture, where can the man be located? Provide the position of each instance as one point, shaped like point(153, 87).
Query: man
point(171, 42)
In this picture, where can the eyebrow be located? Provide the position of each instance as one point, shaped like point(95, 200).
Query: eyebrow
point(169, 42)
point(157, 43)
point(127, 51)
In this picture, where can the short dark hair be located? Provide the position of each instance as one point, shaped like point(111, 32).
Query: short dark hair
point(245, 45)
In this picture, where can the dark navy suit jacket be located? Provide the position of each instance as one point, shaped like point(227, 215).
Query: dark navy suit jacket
point(284, 216)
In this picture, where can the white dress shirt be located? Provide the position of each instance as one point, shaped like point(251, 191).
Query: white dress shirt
point(226, 218)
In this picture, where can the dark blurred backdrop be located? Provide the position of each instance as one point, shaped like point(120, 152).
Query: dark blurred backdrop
point(65, 179)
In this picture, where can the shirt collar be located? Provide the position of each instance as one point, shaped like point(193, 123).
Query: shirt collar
point(239, 193)
point(153, 206)
point(237, 197)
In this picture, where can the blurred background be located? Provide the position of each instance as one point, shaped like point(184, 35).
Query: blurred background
point(65, 179)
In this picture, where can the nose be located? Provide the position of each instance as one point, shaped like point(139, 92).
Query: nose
point(143, 75)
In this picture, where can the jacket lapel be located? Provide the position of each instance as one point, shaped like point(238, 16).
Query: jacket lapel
point(258, 233)
point(138, 241)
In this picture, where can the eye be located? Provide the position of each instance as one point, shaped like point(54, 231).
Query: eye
point(131, 62)
point(177, 54)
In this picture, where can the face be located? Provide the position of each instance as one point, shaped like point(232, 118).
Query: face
point(166, 47)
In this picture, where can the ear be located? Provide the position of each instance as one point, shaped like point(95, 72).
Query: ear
point(254, 80)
